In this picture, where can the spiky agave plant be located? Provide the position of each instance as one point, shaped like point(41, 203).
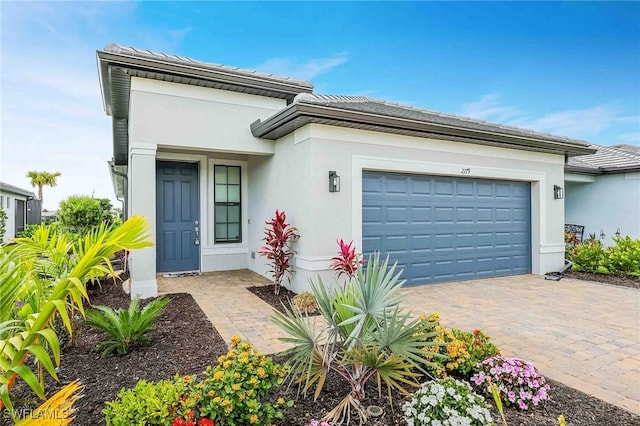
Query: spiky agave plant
point(44, 275)
point(368, 337)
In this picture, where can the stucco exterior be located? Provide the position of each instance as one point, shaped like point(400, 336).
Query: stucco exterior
point(214, 116)
point(8, 196)
point(207, 126)
point(295, 179)
point(606, 203)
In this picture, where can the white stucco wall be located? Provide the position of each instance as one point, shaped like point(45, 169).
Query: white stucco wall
point(9, 206)
point(296, 179)
point(185, 123)
point(604, 202)
point(207, 126)
point(181, 116)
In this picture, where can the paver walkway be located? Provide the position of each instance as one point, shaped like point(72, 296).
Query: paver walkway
point(585, 335)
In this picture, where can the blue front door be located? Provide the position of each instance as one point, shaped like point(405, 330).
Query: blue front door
point(177, 219)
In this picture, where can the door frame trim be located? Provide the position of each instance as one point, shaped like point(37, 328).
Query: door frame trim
point(200, 161)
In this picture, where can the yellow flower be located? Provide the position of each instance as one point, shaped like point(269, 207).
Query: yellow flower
point(242, 396)
point(235, 386)
point(187, 379)
point(221, 358)
point(218, 375)
point(253, 381)
point(211, 393)
point(235, 339)
point(227, 364)
point(253, 418)
point(225, 402)
point(280, 401)
point(236, 375)
point(261, 373)
point(216, 400)
point(244, 360)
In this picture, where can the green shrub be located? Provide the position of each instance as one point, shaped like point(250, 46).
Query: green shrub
point(79, 213)
point(589, 257)
point(444, 351)
point(624, 257)
point(234, 391)
point(125, 328)
point(28, 231)
point(3, 223)
point(460, 350)
point(479, 348)
point(148, 403)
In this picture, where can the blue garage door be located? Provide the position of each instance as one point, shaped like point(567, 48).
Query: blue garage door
point(442, 229)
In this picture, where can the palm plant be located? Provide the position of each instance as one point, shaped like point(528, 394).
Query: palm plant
point(44, 275)
point(41, 179)
point(368, 336)
point(125, 327)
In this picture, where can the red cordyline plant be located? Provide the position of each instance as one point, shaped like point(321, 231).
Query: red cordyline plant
point(348, 261)
point(278, 237)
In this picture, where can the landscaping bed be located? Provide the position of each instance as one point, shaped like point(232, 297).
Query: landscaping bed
point(623, 281)
point(185, 342)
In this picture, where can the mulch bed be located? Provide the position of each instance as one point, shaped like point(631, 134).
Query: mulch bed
point(185, 342)
point(624, 281)
point(276, 301)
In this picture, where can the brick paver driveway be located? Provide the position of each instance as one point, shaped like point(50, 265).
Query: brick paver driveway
point(585, 335)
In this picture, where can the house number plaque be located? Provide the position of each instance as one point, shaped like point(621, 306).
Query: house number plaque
point(465, 171)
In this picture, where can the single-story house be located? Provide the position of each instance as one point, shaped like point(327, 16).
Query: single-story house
point(208, 153)
point(16, 203)
point(602, 192)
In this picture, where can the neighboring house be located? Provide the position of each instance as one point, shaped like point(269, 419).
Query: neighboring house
point(208, 152)
point(16, 202)
point(602, 192)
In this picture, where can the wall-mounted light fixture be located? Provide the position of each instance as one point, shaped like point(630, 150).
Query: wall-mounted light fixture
point(558, 192)
point(618, 233)
point(602, 234)
point(334, 181)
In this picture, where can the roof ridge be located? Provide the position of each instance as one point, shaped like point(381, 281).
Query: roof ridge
point(360, 99)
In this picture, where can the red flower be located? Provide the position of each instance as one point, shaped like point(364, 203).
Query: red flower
point(476, 332)
point(190, 414)
point(206, 422)
point(477, 342)
point(178, 421)
point(189, 423)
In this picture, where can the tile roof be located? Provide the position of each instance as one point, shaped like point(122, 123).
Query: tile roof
point(181, 60)
point(391, 109)
point(608, 159)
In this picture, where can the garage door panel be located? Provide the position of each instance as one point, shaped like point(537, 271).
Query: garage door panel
point(443, 229)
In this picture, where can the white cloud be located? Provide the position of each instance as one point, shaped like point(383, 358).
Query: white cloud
point(633, 137)
point(303, 70)
point(577, 123)
point(490, 107)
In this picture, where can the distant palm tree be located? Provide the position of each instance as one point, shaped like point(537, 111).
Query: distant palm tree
point(41, 179)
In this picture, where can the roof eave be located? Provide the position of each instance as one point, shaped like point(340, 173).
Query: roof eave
point(272, 128)
point(582, 170)
point(284, 89)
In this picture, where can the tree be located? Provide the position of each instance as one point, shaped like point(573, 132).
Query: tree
point(80, 213)
point(41, 179)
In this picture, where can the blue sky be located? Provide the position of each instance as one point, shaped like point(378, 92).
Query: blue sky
point(571, 68)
